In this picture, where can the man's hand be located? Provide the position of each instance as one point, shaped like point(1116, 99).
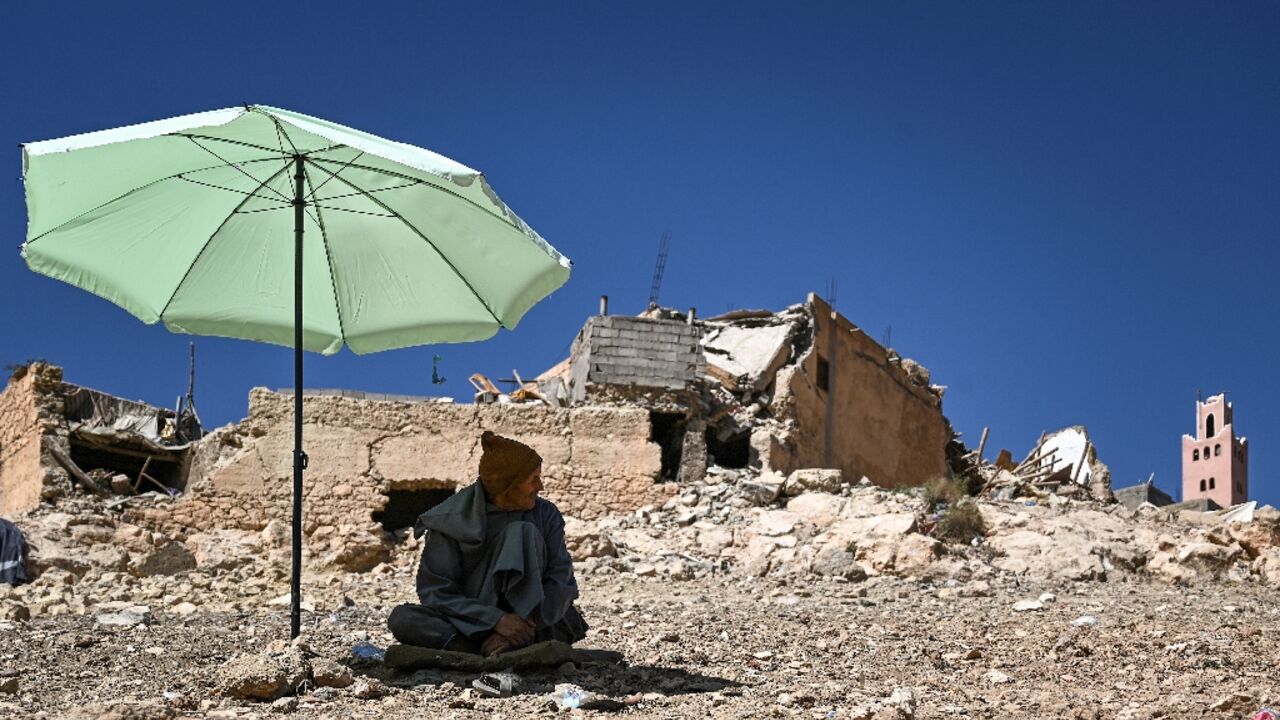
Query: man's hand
point(495, 644)
point(517, 631)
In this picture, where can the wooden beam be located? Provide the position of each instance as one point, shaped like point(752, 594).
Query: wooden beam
point(74, 470)
point(96, 444)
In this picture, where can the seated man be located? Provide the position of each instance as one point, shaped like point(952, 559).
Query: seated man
point(495, 573)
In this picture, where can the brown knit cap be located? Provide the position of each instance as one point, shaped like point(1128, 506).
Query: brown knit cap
point(504, 462)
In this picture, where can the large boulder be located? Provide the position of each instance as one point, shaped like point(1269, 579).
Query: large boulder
point(873, 541)
point(1208, 558)
point(1062, 556)
point(356, 549)
point(1267, 565)
point(818, 509)
point(268, 675)
point(107, 557)
point(586, 540)
point(813, 480)
point(168, 559)
point(223, 549)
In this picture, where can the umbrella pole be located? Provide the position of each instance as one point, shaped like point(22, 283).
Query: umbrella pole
point(299, 457)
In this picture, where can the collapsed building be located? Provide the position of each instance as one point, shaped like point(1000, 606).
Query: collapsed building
point(641, 406)
point(55, 434)
point(777, 391)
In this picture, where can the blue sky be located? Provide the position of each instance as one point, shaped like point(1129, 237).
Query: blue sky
point(1067, 211)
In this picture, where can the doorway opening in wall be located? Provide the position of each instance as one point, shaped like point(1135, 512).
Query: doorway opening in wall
point(732, 452)
point(146, 471)
point(405, 505)
point(667, 431)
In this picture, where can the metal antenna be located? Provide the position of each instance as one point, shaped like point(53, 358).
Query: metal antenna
point(659, 267)
point(831, 293)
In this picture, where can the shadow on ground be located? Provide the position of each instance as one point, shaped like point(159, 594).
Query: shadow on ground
point(602, 672)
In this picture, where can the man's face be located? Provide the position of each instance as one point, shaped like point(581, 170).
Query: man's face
point(522, 494)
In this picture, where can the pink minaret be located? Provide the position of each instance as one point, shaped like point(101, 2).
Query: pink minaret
point(1215, 463)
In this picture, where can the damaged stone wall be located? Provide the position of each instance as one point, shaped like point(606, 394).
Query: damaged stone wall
point(29, 407)
point(596, 461)
point(856, 406)
point(52, 431)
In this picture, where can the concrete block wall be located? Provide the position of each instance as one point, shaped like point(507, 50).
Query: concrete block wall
point(641, 352)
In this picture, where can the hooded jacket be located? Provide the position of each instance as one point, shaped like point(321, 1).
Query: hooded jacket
point(460, 532)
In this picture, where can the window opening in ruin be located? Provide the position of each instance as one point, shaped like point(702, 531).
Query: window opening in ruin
point(733, 452)
point(1208, 426)
point(164, 469)
point(667, 431)
point(1195, 454)
point(1202, 486)
point(824, 374)
point(404, 506)
point(1212, 484)
point(1217, 450)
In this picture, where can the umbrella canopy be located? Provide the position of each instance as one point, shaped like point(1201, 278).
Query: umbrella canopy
point(190, 221)
point(207, 221)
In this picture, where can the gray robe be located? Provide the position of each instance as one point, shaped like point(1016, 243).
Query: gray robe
point(480, 562)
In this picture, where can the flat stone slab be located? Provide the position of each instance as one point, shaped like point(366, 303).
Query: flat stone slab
point(551, 653)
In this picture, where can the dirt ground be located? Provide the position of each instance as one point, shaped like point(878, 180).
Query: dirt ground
point(716, 646)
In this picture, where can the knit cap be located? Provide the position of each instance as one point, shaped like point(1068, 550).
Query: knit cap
point(504, 462)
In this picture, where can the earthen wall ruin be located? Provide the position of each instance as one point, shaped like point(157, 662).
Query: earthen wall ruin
point(596, 461)
point(22, 428)
point(856, 408)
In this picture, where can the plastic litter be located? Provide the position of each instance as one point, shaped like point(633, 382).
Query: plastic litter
point(1085, 621)
point(1266, 714)
point(368, 651)
point(498, 684)
point(568, 696)
point(1029, 503)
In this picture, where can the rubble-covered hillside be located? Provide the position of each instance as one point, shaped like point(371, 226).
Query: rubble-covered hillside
point(745, 595)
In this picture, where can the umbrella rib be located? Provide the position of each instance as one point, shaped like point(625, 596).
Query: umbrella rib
point(326, 181)
point(255, 146)
point(433, 186)
point(324, 239)
point(351, 210)
point(280, 130)
point(426, 239)
point(140, 188)
point(260, 210)
point(283, 204)
point(241, 170)
point(214, 234)
point(347, 195)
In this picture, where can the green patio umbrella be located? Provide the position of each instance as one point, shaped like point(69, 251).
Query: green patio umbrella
point(233, 222)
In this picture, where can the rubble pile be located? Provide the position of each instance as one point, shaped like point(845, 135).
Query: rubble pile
point(812, 523)
point(88, 560)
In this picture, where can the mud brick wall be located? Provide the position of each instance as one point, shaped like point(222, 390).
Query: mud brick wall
point(596, 460)
point(860, 412)
point(30, 408)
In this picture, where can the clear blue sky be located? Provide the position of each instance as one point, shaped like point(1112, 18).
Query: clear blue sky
point(1067, 211)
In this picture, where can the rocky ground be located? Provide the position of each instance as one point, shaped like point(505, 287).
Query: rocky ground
point(744, 597)
point(717, 647)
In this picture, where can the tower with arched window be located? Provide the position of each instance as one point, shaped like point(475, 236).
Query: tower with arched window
point(1215, 463)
